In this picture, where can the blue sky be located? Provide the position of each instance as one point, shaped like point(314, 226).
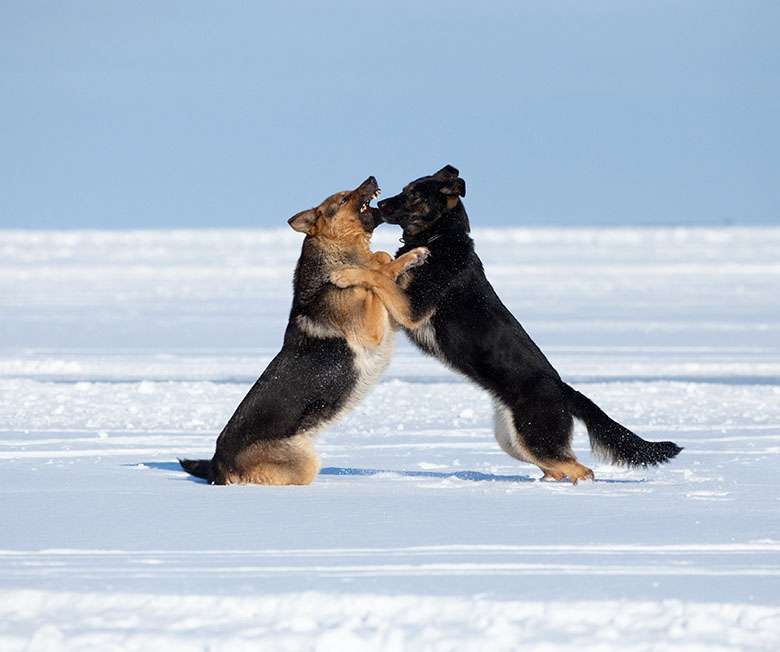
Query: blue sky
point(170, 114)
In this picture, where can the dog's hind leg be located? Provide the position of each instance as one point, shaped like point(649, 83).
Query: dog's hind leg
point(506, 434)
point(541, 435)
point(277, 462)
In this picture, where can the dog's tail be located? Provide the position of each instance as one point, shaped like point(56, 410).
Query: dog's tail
point(615, 443)
point(198, 468)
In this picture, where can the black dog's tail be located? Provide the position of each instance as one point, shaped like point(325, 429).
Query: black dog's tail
point(613, 442)
point(198, 468)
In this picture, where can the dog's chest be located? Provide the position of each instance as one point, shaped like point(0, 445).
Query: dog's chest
point(425, 337)
point(369, 363)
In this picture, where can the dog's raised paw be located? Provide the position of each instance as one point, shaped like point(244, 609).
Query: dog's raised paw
point(417, 257)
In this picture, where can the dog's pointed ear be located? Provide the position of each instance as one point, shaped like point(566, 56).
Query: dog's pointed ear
point(303, 221)
point(447, 172)
point(454, 188)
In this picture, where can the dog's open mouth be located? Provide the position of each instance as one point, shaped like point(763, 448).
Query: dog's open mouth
point(365, 193)
point(365, 205)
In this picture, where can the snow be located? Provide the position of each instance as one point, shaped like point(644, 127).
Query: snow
point(124, 350)
point(338, 623)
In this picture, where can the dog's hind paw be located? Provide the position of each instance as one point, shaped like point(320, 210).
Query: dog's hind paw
point(572, 470)
point(579, 472)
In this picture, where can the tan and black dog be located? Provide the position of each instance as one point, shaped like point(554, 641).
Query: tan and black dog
point(337, 343)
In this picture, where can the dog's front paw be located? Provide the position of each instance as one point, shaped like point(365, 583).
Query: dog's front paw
point(347, 277)
point(416, 257)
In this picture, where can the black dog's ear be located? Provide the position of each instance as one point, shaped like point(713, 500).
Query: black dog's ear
point(455, 187)
point(447, 172)
point(303, 221)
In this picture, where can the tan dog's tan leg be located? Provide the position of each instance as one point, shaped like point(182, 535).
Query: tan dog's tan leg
point(393, 297)
point(360, 314)
point(380, 259)
point(373, 321)
point(277, 462)
point(404, 262)
point(380, 283)
point(383, 262)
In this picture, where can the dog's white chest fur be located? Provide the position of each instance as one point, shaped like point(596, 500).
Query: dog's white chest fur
point(369, 363)
point(505, 432)
point(425, 337)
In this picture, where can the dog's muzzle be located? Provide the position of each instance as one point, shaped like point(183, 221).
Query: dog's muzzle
point(390, 210)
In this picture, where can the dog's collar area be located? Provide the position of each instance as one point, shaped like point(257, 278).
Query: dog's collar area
point(436, 236)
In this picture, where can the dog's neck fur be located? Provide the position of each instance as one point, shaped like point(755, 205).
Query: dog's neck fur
point(351, 244)
point(453, 221)
point(319, 256)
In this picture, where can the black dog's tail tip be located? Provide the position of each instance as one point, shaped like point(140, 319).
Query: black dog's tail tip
point(648, 453)
point(198, 468)
point(666, 451)
point(615, 443)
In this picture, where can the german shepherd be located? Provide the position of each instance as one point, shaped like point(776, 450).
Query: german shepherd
point(461, 321)
point(337, 343)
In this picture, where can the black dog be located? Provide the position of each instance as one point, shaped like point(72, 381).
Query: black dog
point(465, 325)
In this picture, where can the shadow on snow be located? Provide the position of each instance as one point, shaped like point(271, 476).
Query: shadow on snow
point(473, 476)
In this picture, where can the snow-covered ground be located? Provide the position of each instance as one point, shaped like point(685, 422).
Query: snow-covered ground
point(120, 351)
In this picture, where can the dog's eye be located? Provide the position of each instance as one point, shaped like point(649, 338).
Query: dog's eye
point(345, 199)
